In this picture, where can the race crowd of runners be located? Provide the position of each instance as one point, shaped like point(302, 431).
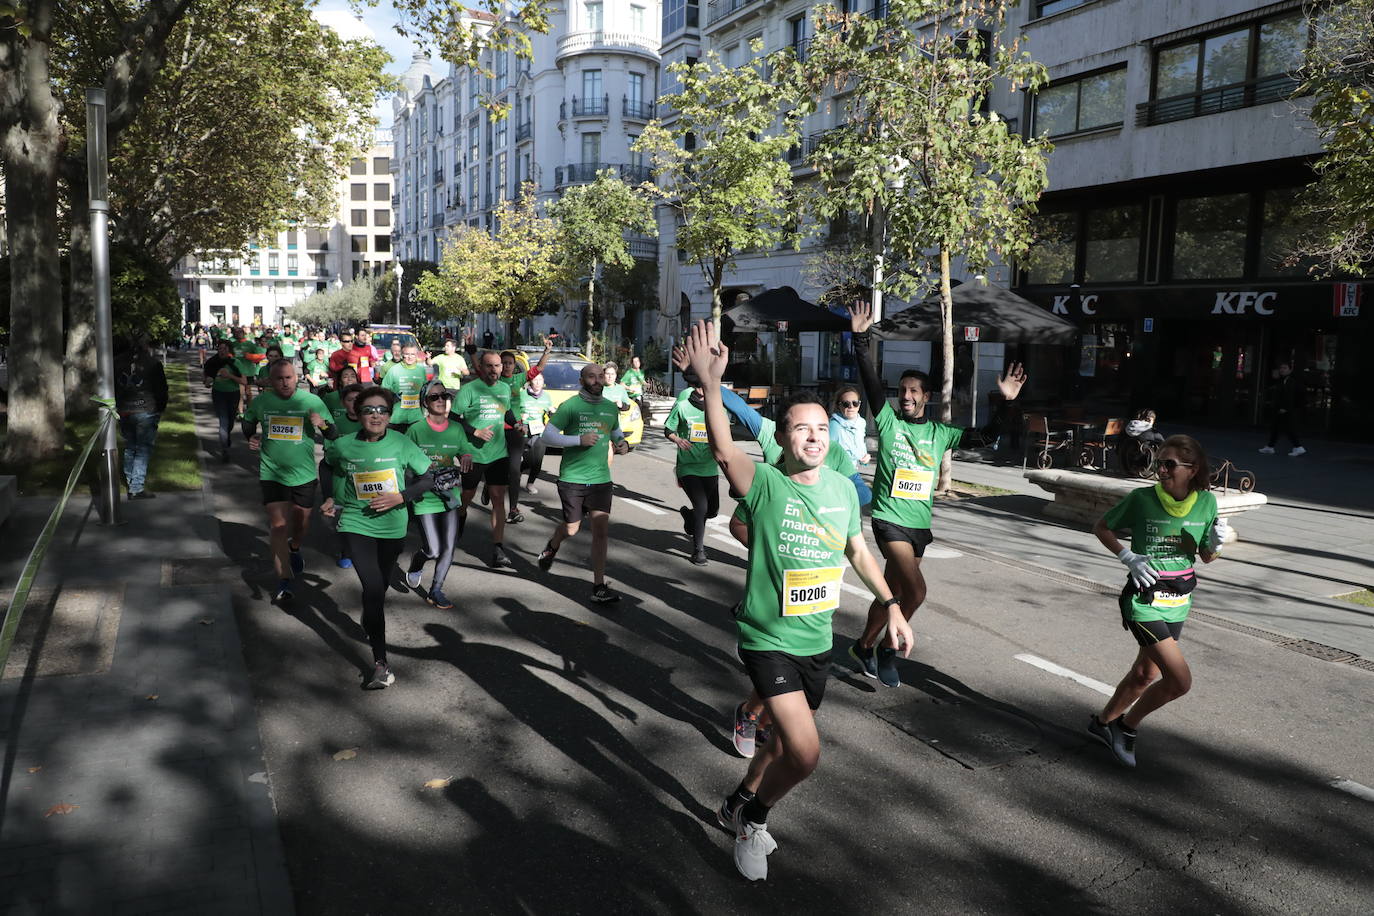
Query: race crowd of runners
point(408, 441)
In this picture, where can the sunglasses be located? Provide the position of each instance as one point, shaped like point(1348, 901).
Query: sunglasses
point(1169, 464)
point(849, 403)
point(439, 397)
point(375, 409)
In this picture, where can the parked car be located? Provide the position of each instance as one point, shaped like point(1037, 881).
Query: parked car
point(562, 378)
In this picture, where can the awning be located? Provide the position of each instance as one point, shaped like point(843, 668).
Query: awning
point(766, 310)
point(1000, 316)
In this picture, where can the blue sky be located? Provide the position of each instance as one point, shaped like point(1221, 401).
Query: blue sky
point(376, 23)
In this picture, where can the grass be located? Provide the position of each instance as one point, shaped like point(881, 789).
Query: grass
point(1364, 596)
point(174, 464)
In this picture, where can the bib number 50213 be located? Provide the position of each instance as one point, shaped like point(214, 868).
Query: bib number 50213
point(913, 483)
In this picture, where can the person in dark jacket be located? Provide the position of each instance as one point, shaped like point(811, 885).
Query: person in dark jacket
point(140, 398)
point(1285, 399)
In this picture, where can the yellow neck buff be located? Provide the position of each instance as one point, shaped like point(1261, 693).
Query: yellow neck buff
point(1175, 507)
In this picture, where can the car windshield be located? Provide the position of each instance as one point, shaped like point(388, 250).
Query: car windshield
point(382, 340)
point(562, 375)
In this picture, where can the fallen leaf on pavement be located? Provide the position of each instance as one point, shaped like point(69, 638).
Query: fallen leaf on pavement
point(347, 753)
point(439, 783)
point(151, 696)
point(206, 621)
point(61, 809)
point(34, 769)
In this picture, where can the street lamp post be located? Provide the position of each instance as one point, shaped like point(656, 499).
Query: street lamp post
point(97, 164)
point(399, 272)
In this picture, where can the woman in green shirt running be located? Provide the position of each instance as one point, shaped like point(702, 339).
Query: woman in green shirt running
point(1171, 523)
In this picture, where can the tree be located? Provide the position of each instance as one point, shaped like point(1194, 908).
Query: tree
point(722, 164)
point(593, 219)
point(921, 148)
point(348, 305)
point(1338, 71)
point(416, 310)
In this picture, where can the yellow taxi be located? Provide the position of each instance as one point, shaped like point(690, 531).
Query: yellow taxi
point(562, 379)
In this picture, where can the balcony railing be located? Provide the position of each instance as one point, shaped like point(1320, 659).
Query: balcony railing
point(1212, 101)
point(809, 144)
point(600, 41)
point(436, 220)
point(438, 176)
point(523, 132)
point(717, 10)
point(582, 172)
point(643, 249)
point(585, 108)
point(637, 109)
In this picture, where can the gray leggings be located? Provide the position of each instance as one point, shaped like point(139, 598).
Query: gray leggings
point(441, 536)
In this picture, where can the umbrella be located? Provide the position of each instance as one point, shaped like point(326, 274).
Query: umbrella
point(1000, 315)
point(764, 311)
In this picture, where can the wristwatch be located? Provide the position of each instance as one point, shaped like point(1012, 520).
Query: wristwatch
point(891, 601)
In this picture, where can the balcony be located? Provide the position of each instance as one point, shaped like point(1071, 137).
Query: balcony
point(436, 221)
point(600, 41)
point(321, 271)
point(584, 172)
point(1212, 101)
point(809, 144)
point(594, 107)
point(718, 10)
point(637, 109)
point(523, 132)
point(438, 176)
point(643, 249)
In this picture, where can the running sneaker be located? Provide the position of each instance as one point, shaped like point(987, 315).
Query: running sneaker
point(1098, 730)
point(344, 563)
point(413, 579)
point(761, 736)
point(283, 592)
point(1297, 450)
point(531, 489)
point(1119, 741)
point(224, 456)
point(546, 556)
point(381, 677)
point(725, 814)
point(699, 558)
point(144, 494)
point(437, 598)
point(499, 560)
point(415, 571)
point(746, 726)
point(1267, 450)
point(887, 667)
point(753, 844)
point(297, 561)
point(868, 663)
point(602, 594)
point(515, 517)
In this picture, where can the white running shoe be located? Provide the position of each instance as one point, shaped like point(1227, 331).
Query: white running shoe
point(1267, 450)
point(413, 578)
point(753, 844)
point(1299, 450)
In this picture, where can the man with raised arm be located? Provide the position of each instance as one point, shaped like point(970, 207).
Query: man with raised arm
point(804, 525)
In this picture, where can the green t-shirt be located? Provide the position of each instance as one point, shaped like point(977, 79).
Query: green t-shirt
point(448, 368)
point(485, 406)
point(442, 447)
point(616, 394)
point(330, 346)
point(406, 381)
point(288, 346)
point(586, 464)
point(317, 371)
point(633, 380)
point(220, 383)
point(535, 411)
point(288, 438)
point(1171, 542)
point(517, 390)
point(339, 416)
point(908, 468)
point(687, 421)
point(370, 468)
point(796, 560)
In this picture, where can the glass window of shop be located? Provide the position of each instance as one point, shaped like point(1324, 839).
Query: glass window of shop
point(1052, 254)
point(1209, 236)
point(1280, 232)
point(1111, 252)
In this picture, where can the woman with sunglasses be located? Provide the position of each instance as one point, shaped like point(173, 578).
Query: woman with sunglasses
point(1171, 523)
point(369, 503)
point(443, 440)
point(847, 425)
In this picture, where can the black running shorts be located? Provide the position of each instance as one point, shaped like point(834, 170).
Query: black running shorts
point(580, 498)
point(274, 492)
point(776, 673)
point(1149, 632)
point(885, 532)
point(493, 474)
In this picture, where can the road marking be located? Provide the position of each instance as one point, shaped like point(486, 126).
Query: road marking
point(1060, 670)
point(645, 506)
point(729, 540)
point(1354, 788)
point(935, 551)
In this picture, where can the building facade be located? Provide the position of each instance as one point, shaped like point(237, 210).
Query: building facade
point(261, 285)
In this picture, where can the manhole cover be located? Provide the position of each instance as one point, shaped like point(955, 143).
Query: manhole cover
point(66, 632)
point(969, 733)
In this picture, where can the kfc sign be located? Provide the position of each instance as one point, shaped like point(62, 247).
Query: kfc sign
point(1239, 303)
point(1088, 304)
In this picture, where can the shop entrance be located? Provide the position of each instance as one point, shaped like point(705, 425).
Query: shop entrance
point(1215, 370)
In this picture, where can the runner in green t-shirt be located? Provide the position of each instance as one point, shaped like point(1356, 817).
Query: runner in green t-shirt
point(288, 343)
point(696, 469)
point(393, 357)
point(449, 366)
point(405, 379)
point(287, 473)
point(911, 448)
point(633, 380)
point(371, 509)
point(516, 372)
point(535, 409)
point(482, 408)
point(222, 376)
point(346, 377)
point(444, 442)
point(580, 426)
point(805, 524)
point(317, 369)
point(1171, 524)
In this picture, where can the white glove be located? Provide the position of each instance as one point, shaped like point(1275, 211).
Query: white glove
point(1143, 574)
point(1218, 534)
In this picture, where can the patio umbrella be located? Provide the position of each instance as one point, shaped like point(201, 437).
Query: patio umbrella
point(764, 311)
point(1000, 315)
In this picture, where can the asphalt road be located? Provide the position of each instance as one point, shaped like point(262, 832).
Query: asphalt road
point(585, 747)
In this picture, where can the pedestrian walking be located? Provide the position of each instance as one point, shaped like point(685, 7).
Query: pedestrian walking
point(140, 399)
point(1285, 402)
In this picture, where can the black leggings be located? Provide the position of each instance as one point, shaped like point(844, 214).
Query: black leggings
point(515, 454)
point(373, 559)
point(534, 457)
point(704, 494)
point(441, 536)
point(226, 405)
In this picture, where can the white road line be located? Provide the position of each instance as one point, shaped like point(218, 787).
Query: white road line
point(937, 552)
point(1354, 788)
point(1060, 670)
point(729, 540)
point(857, 590)
point(645, 506)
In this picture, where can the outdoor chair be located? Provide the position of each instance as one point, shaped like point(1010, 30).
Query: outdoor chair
point(1097, 442)
point(1045, 441)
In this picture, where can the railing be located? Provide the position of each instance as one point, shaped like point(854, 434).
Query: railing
point(600, 40)
point(1211, 101)
point(523, 131)
point(809, 144)
point(581, 108)
point(636, 108)
point(717, 10)
point(438, 176)
point(636, 173)
point(436, 220)
point(643, 249)
point(801, 48)
point(581, 172)
point(321, 271)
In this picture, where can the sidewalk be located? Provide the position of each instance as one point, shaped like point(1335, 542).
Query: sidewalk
point(135, 710)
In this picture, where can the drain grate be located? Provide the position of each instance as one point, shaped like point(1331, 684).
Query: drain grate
point(1247, 629)
point(1364, 664)
point(1317, 650)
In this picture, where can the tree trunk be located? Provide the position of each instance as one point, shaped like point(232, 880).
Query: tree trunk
point(80, 359)
point(715, 299)
point(587, 324)
point(947, 354)
point(30, 150)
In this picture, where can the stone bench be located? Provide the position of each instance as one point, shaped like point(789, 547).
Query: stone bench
point(9, 492)
point(1083, 496)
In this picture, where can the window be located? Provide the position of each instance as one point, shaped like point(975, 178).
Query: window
point(357, 167)
point(591, 149)
point(381, 190)
point(591, 19)
point(678, 15)
point(796, 36)
point(381, 217)
point(502, 129)
point(634, 88)
point(357, 243)
point(1112, 250)
point(591, 87)
point(381, 243)
point(358, 191)
point(636, 157)
point(216, 286)
point(1051, 257)
point(1085, 103)
point(1280, 233)
point(1049, 7)
point(636, 19)
point(500, 176)
point(474, 144)
point(359, 218)
point(292, 265)
point(1209, 236)
point(503, 69)
point(381, 165)
point(273, 263)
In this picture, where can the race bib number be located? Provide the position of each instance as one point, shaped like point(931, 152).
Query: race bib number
point(913, 483)
point(536, 427)
point(368, 484)
point(285, 429)
point(811, 591)
point(698, 433)
point(410, 402)
point(1169, 600)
